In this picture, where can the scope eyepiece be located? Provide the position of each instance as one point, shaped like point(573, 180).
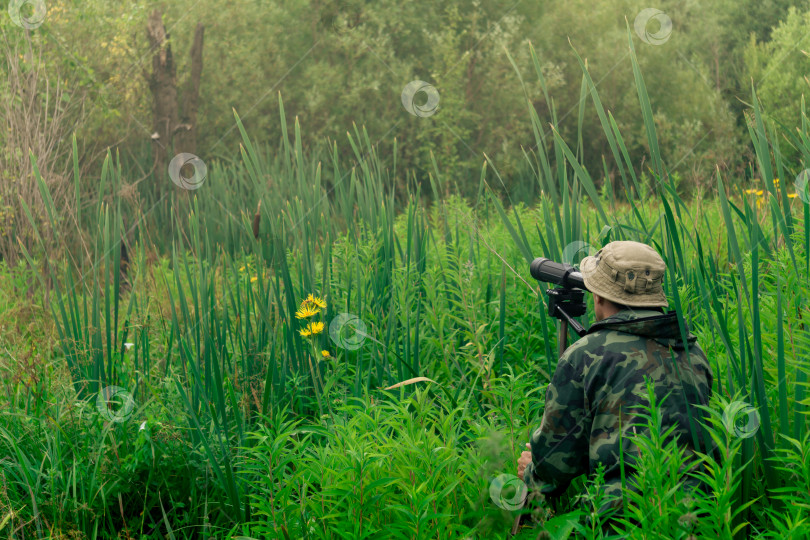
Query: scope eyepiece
point(565, 275)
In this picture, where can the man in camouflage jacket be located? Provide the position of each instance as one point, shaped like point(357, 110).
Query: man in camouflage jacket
point(599, 380)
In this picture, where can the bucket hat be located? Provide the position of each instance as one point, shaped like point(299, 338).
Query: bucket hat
point(627, 273)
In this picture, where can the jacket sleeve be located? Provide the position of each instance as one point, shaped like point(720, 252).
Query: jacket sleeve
point(560, 445)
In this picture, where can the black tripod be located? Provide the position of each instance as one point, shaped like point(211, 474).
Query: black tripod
point(564, 304)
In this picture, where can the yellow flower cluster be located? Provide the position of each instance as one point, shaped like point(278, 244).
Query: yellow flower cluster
point(315, 301)
point(311, 306)
point(760, 194)
point(253, 279)
point(312, 329)
point(305, 312)
point(776, 185)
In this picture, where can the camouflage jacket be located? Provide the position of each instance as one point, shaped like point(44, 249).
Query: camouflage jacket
point(597, 382)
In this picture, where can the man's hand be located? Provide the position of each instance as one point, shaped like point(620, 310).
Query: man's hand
point(524, 460)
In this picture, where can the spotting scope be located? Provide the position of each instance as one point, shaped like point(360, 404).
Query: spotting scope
point(564, 275)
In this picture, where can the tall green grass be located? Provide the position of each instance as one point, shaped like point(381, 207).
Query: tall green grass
point(218, 366)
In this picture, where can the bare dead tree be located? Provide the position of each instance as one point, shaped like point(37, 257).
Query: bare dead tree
point(163, 85)
point(186, 131)
point(172, 132)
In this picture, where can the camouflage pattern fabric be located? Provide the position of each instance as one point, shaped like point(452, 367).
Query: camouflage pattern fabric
point(598, 381)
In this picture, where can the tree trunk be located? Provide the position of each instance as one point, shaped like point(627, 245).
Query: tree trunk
point(163, 85)
point(171, 132)
point(186, 131)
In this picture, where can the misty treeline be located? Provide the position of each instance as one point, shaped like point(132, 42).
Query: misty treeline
point(90, 70)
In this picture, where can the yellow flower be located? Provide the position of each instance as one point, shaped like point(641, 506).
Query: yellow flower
point(791, 195)
point(325, 354)
point(316, 328)
point(254, 278)
point(242, 269)
point(306, 312)
point(312, 329)
point(314, 300)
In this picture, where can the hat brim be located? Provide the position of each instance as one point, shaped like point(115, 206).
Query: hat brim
point(600, 283)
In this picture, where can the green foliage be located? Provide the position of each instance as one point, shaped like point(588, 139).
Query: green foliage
point(250, 432)
point(348, 61)
point(779, 67)
point(399, 469)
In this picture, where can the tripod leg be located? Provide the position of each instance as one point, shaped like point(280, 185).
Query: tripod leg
point(562, 339)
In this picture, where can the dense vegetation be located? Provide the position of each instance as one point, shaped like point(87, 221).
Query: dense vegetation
point(348, 61)
point(343, 341)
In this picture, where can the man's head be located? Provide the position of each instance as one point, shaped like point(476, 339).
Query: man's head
point(624, 274)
